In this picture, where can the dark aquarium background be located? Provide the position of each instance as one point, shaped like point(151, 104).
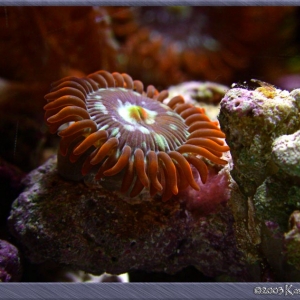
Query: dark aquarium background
point(161, 46)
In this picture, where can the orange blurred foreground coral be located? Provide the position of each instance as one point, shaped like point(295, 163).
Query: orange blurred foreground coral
point(121, 128)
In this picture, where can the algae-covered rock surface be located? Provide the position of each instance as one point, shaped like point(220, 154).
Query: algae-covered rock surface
point(252, 120)
point(95, 230)
point(262, 129)
point(10, 262)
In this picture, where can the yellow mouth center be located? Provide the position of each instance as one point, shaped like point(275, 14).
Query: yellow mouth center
point(138, 113)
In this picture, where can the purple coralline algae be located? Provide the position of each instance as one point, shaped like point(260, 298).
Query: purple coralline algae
point(252, 120)
point(10, 266)
point(95, 230)
point(262, 129)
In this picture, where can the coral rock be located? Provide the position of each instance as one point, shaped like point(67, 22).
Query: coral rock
point(292, 239)
point(95, 230)
point(10, 267)
point(286, 153)
point(252, 120)
point(261, 129)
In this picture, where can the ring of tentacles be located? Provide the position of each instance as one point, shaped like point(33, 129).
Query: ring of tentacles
point(128, 129)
